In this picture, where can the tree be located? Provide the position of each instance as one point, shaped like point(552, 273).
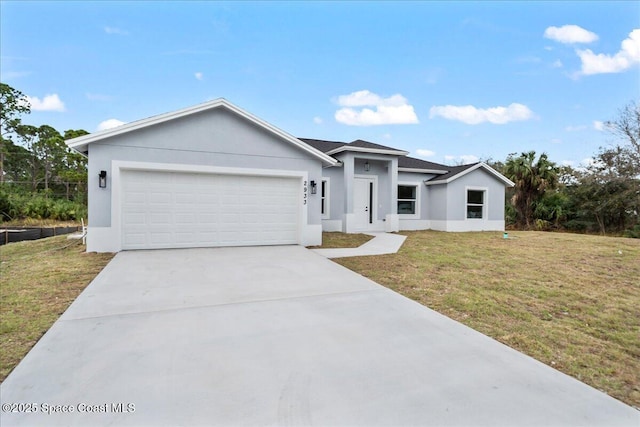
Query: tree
point(627, 127)
point(13, 103)
point(75, 171)
point(532, 179)
point(611, 186)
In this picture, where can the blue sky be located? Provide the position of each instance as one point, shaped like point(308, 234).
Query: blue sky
point(449, 82)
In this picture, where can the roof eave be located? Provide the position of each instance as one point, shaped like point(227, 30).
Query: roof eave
point(417, 170)
point(367, 150)
point(495, 173)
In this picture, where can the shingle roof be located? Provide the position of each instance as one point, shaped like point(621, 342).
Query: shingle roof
point(327, 146)
point(413, 163)
point(443, 173)
point(322, 145)
point(366, 144)
point(452, 171)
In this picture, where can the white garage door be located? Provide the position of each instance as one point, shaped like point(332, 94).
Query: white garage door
point(183, 210)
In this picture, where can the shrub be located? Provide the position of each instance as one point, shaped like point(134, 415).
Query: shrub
point(633, 232)
point(19, 206)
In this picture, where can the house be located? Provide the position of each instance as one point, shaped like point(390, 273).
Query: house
point(216, 175)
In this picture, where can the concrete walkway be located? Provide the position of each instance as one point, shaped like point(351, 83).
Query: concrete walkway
point(381, 244)
point(277, 336)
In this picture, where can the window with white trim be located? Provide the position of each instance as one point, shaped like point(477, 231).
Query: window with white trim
point(324, 198)
point(475, 204)
point(407, 199)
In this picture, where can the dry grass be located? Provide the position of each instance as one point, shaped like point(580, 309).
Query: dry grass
point(570, 301)
point(331, 240)
point(40, 279)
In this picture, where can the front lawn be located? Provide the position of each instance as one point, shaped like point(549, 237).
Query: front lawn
point(571, 301)
point(39, 280)
point(331, 240)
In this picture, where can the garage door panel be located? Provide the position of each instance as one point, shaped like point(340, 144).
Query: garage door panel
point(167, 209)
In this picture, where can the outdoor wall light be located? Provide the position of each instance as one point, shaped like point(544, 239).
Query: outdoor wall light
point(366, 166)
point(314, 187)
point(102, 179)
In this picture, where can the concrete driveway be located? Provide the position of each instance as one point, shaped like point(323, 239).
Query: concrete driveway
point(277, 336)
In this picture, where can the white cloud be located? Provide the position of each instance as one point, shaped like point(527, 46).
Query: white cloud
point(391, 110)
point(115, 30)
point(471, 115)
point(567, 163)
point(557, 64)
point(575, 128)
point(598, 125)
point(570, 34)
point(110, 124)
point(48, 103)
point(469, 158)
point(317, 120)
point(199, 75)
point(387, 136)
point(425, 153)
point(556, 141)
point(627, 56)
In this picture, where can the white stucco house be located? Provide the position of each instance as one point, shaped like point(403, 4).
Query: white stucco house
point(216, 175)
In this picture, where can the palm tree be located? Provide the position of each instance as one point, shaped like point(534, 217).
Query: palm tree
point(532, 179)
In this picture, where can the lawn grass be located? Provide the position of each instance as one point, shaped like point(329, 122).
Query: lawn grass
point(332, 240)
point(39, 280)
point(571, 301)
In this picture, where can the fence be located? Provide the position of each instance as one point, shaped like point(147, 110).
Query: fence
point(18, 234)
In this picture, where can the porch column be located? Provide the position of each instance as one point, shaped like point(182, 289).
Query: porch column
point(348, 167)
point(392, 220)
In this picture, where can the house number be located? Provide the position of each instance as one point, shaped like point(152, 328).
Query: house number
point(304, 192)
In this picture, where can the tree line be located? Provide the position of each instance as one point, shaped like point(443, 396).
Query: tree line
point(40, 177)
point(602, 197)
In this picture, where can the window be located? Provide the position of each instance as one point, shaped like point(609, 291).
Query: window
point(475, 203)
point(324, 198)
point(407, 199)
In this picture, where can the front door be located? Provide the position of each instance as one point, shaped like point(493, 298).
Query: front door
point(363, 203)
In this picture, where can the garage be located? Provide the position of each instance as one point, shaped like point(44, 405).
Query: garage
point(208, 175)
point(161, 209)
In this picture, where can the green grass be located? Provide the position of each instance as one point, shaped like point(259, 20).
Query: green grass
point(342, 240)
point(39, 280)
point(571, 301)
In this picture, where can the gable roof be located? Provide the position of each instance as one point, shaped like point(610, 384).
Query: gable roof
point(359, 145)
point(81, 143)
point(456, 172)
point(445, 174)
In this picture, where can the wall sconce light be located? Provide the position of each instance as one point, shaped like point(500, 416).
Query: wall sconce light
point(367, 166)
point(314, 187)
point(102, 179)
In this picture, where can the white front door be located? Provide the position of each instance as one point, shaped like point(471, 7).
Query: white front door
point(363, 203)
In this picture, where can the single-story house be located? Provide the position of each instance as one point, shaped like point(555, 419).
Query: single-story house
point(216, 175)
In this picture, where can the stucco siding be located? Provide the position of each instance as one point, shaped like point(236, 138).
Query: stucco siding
point(478, 179)
point(212, 138)
point(437, 207)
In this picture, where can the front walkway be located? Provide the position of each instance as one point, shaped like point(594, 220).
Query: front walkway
point(381, 244)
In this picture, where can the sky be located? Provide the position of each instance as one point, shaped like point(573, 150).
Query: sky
point(449, 82)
